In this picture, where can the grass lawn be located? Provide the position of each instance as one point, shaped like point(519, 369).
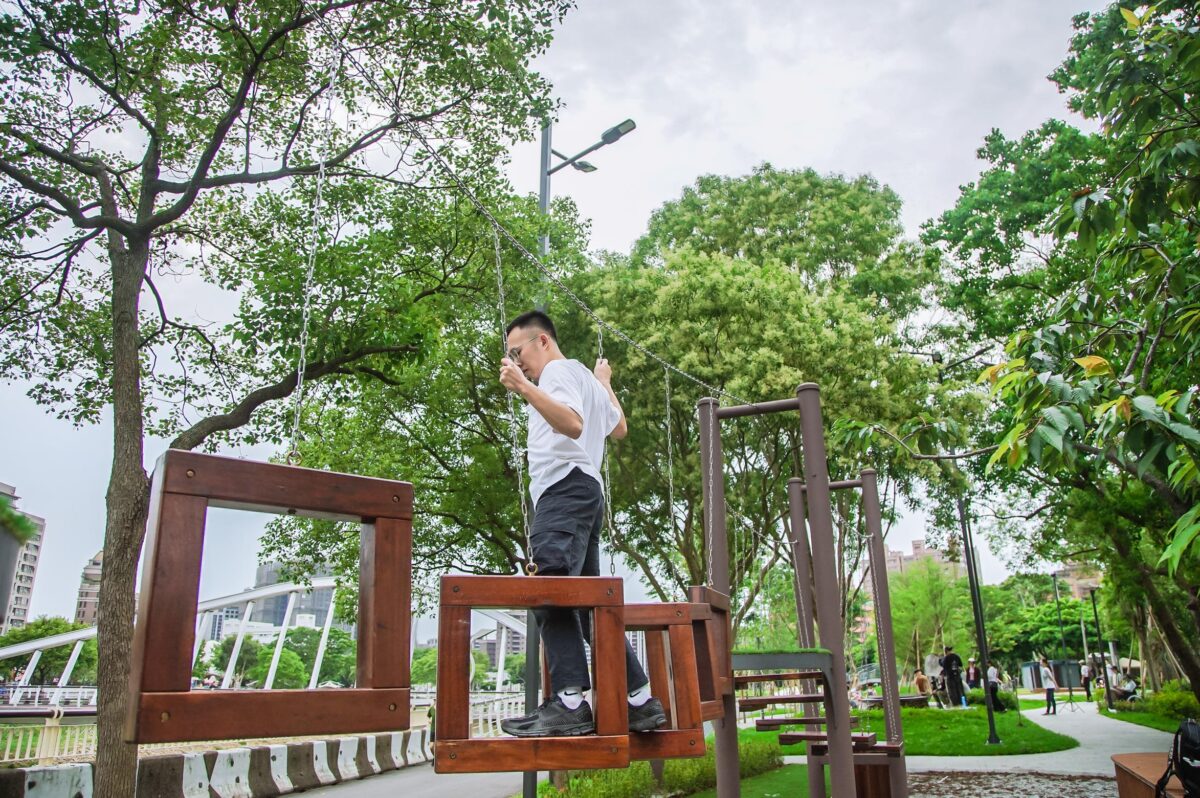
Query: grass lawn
point(1149, 719)
point(791, 780)
point(1040, 703)
point(964, 732)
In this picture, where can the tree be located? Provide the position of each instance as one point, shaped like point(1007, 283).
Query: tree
point(137, 134)
point(219, 658)
point(52, 662)
point(340, 663)
point(424, 665)
point(930, 609)
point(290, 673)
point(1093, 397)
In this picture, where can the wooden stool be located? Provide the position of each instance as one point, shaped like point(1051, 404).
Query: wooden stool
point(162, 706)
point(454, 749)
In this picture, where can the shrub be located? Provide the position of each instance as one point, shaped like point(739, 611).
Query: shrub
point(1007, 700)
point(1174, 704)
point(680, 776)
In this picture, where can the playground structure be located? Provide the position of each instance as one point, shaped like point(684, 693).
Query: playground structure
point(691, 662)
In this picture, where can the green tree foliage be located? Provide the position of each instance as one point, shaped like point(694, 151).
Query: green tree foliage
point(50, 665)
point(218, 658)
point(930, 609)
point(340, 663)
point(424, 665)
point(1087, 246)
point(290, 674)
point(143, 140)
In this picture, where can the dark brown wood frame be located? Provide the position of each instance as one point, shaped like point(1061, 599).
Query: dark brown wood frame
point(454, 749)
point(669, 627)
point(163, 708)
point(714, 653)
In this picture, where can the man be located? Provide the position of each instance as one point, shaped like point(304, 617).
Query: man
point(1050, 684)
point(993, 684)
point(1085, 674)
point(571, 411)
point(952, 666)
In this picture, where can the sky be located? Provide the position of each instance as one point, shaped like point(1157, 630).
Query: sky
point(900, 89)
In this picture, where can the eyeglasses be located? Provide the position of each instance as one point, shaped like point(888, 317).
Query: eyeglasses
point(515, 352)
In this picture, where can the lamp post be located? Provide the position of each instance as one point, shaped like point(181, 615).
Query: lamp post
point(1100, 645)
point(533, 659)
point(1062, 641)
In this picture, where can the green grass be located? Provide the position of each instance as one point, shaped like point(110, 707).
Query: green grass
point(1149, 719)
point(1040, 703)
point(790, 780)
point(964, 732)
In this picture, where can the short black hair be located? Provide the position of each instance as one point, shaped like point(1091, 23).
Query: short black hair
point(533, 318)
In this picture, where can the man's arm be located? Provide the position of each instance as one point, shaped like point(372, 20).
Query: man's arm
point(561, 418)
point(603, 373)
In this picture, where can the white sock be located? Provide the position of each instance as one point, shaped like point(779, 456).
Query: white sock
point(571, 697)
point(640, 696)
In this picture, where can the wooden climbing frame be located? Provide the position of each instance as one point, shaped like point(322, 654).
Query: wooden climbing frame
point(712, 633)
point(674, 679)
point(454, 749)
point(162, 707)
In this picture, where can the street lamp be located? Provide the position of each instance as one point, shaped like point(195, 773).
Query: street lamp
point(610, 136)
point(613, 134)
point(1100, 644)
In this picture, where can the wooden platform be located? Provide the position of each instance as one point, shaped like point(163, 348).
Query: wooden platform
point(742, 679)
point(1138, 773)
point(759, 702)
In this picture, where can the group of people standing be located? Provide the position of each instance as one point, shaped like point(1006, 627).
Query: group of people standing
point(950, 682)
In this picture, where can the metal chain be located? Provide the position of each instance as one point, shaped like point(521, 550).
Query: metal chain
point(608, 514)
point(406, 120)
point(670, 455)
point(293, 455)
point(518, 454)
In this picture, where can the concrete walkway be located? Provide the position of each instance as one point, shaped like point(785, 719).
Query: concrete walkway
point(420, 780)
point(1099, 738)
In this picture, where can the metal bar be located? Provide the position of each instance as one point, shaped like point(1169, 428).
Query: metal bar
point(544, 195)
point(203, 630)
point(977, 611)
point(828, 591)
point(66, 674)
point(757, 409)
point(841, 484)
point(287, 619)
point(713, 470)
point(24, 680)
point(568, 161)
point(316, 671)
point(884, 641)
point(501, 645)
point(230, 667)
point(802, 586)
point(1100, 645)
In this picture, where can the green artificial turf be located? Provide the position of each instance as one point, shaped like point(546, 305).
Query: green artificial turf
point(964, 732)
point(1148, 719)
point(789, 780)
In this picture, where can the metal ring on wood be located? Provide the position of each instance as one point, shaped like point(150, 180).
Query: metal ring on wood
point(531, 568)
point(294, 457)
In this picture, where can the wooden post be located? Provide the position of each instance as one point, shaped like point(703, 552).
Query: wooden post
point(713, 470)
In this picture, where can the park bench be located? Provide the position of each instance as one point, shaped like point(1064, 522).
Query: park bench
point(1138, 773)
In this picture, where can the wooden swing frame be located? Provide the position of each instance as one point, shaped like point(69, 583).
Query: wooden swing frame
point(163, 707)
point(674, 679)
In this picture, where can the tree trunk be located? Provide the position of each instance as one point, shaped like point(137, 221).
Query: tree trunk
point(127, 504)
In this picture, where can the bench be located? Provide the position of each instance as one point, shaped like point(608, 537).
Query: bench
point(1138, 773)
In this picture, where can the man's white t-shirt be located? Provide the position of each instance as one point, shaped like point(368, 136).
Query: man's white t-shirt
point(553, 455)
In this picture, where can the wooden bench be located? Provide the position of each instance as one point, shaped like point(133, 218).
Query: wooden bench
point(1138, 773)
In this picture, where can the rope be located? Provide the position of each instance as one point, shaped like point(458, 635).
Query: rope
point(369, 77)
point(293, 456)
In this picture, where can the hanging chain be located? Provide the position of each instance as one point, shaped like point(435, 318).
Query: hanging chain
point(293, 455)
point(608, 514)
point(670, 455)
point(518, 454)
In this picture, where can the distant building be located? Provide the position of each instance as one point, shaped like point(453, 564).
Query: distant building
point(18, 568)
point(1078, 579)
point(488, 641)
point(310, 610)
point(221, 622)
point(87, 603)
point(899, 562)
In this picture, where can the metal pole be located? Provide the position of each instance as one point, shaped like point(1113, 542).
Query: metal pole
point(66, 674)
point(977, 611)
point(1062, 639)
point(231, 666)
point(805, 635)
point(544, 189)
point(1100, 648)
point(712, 467)
point(316, 671)
point(287, 619)
point(828, 591)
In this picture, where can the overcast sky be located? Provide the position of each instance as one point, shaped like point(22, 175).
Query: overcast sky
point(903, 90)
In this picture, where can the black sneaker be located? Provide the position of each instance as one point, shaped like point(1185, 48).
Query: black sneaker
point(552, 719)
point(648, 717)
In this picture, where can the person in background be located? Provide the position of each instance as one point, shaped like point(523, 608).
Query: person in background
point(1085, 675)
point(993, 685)
point(974, 675)
point(1051, 684)
point(952, 667)
point(921, 682)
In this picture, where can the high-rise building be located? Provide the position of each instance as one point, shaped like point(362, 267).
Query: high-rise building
point(1079, 579)
point(898, 561)
point(316, 604)
point(18, 567)
point(87, 603)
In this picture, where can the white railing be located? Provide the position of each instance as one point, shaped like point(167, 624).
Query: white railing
point(44, 696)
point(47, 740)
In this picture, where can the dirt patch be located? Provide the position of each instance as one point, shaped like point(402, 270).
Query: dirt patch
point(1005, 785)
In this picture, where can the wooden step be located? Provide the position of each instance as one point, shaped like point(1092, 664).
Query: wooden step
point(878, 747)
point(859, 739)
point(760, 701)
point(751, 678)
point(772, 724)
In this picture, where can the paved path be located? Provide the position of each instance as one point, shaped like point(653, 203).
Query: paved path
point(420, 780)
point(1099, 738)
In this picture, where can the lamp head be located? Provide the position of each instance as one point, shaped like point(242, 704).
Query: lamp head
point(584, 166)
point(617, 131)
